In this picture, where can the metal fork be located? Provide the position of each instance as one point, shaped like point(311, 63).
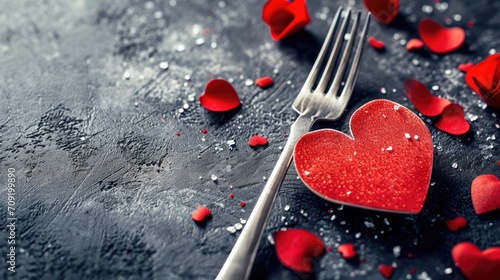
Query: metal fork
point(312, 104)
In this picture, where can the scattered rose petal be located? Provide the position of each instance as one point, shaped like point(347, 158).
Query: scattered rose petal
point(242, 204)
point(484, 79)
point(383, 10)
point(284, 17)
point(386, 270)
point(376, 44)
point(264, 82)
point(426, 103)
point(201, 214)
point(477, 264)
point(452, 120)
point(298, 249)
point(231, 195)
point(219, 96)
point(340, 168)
point(347, 251)
point(485, 192)
point(204, 131)
point(439, 39)
point(456, 224)
point(257, 140)
point(414, 44)
point(464, 67)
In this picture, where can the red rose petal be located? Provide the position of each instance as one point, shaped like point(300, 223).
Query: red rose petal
point(464, 67)
point(456, 224)
point(382, 166)
point(426, 103)
point(376, 44)
point(484, 79)
point(297, 249)
point(439, 39)
point(285, 17)
point(257, 140)
point(200, 214)
point(383, 10)
point(414, 44)
point(386, 270)
point(476, 264)
point(264, 82)
point(347, 251)
point(219, 96)
point(485, 192)
point(452, 120)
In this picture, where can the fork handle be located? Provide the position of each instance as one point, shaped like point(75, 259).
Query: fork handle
point(239, 263)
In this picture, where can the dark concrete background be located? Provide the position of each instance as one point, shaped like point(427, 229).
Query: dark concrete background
point(105, 187)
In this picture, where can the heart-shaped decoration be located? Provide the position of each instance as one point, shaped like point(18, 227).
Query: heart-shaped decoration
point(426, 103)
point(386, 270)
point(386, 165)
point(347, 250)
point(452, 120)
point(376, 44)
point(285, 17)
point(439, 39)
point(476, 264)
point(414, 44)
point(456, 224)
point(257, 140)
point(298, 249)
point(201, 214)
point(219, 96)
point(264, 82)
point(485, 192)
point(383, 10)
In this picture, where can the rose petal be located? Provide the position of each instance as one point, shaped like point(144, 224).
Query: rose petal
point(414, 44)
point(347, 251)
point(484, 79)
point(439, 39)
point(264, 82)
point(285, 17)
point(200, 214)
point(298, 249)
point(219, 96)
point(456, 224)
point(386, 270)
point(464, 67)
point(376, 44)
point(452, 120)
point(485, 192)
point(257, 140)
point(383, 10)
point(477, 264)
point(426, 103)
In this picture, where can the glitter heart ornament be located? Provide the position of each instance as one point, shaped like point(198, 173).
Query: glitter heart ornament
point(284, 17)
point(485, 193)
point(476, 264)
point(386, 165)
point(219, 96)
point(440, 39)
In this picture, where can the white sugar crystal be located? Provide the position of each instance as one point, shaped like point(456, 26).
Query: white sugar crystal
point(231, 229)
point(163, 65)
point(448, 270)
point(454, 165)
point(407, 135)
point(214, 178)
point(287, 207)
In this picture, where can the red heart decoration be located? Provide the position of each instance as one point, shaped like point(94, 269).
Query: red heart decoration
point(219, 96)
point(484, 79)
point(452, 120)
point(347, 250)
point(414, 44)
point(257, 140)
point(426, 103)
point(285, 17)
point(439, 39)
point(376, 44)
point(476, 264)
point(386, 270)
point(485, 192)
point(200, 214)
point(386, 165)
point(464, 67)
point(383, 10)
point(297, 249)
point(264, 82)
point(456, 224)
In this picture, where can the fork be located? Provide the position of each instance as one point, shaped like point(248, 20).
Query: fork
point(312, 103)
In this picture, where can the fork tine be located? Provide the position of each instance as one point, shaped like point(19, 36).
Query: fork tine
point(325, 77)
point(345, 57)
point(353, 72)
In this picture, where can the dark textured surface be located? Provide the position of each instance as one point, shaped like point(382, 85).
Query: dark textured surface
point(105, 187)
